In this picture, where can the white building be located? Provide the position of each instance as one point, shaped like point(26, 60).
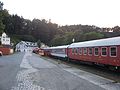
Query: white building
point(5, 40)
point(25, 46)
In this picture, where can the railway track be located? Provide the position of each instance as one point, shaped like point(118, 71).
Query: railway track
point(98, 70)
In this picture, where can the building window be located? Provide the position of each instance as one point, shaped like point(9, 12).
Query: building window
point(113, 51)
point(85, 51)
point(3, 39)
point(80, 51)
point(96, 51)
point(90, 51)
point(104, 51)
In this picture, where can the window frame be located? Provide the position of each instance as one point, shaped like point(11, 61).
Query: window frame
point(80, 51)
point(110, 51)
point(3, 39)
point(76, 50)
point(84, 51)
point(102, 50)
point(72, 50)
point(98, 51)
point(90, 54)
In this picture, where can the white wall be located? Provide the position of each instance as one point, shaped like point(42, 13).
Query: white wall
point(5, 40)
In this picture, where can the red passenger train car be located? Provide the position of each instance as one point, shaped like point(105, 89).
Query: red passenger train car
point(102, 51)
point(44, 51)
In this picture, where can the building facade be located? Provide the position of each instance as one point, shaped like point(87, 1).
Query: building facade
point(5, 45)
point(4, 39)
point(25, 46)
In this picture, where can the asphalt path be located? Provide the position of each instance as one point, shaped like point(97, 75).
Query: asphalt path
point(9, 67)
point(28, 71)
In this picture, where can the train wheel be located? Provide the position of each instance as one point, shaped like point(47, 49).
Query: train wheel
point(113, 68)
point(68, 59)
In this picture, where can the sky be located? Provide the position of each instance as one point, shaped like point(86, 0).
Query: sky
point(101, 13)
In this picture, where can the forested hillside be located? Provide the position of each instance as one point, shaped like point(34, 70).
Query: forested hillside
point(49, 33)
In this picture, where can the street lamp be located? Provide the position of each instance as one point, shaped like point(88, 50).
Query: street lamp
point(73, 40)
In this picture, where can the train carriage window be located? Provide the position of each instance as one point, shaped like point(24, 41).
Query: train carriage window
point(96, 51)
point(80, 51)
point(72, 50)
point(113, 51)
point(104, 51)
point(62, 51)
point(75, 51)
point(85, 51)
point(90, 51)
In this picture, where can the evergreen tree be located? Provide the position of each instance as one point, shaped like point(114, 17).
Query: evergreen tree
point(2, 26)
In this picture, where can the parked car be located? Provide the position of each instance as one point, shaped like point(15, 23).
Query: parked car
point(1, 53)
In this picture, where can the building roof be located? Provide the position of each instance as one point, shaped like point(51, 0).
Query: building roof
point(101, 42)
point(29, 44)
point(58, 47)
point(4, 34)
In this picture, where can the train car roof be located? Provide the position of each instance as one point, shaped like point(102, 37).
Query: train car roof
point(59, 47)
point(101, 42)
